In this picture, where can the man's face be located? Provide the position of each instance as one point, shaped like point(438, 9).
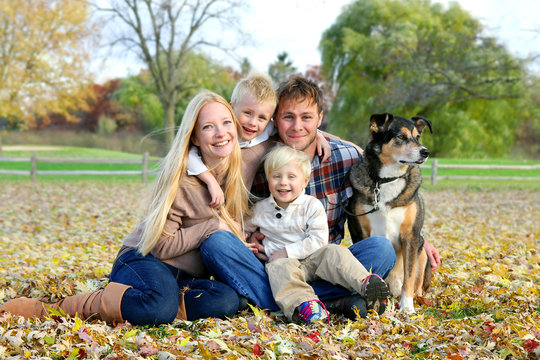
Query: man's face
point(297, 122)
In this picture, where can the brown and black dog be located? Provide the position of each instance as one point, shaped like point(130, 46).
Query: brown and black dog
point(386, 201)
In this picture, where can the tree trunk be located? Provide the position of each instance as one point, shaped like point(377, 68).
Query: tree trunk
point(168, 124)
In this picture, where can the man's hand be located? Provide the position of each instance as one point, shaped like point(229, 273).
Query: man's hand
point(433, 255)
point(278, 254)
point(254, 243)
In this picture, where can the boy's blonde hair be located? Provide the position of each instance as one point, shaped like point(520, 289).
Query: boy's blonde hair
point(258, 85)
point(281, 155)
point(173, 168)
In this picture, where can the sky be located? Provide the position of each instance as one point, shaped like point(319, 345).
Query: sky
point(296, 26)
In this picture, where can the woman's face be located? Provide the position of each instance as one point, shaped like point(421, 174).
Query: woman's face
point(215, 133)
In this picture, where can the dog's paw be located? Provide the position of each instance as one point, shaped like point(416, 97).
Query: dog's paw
point(406, 304)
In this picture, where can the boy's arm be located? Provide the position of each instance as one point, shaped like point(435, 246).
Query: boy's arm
point(216, 193)
point(197, 168)
point(328, 135)
point(323, 147)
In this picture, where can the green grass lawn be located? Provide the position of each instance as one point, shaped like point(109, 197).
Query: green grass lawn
point(482, 184)
point(74, 152)
point(79, 152)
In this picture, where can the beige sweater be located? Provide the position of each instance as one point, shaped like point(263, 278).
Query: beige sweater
point(191, 220)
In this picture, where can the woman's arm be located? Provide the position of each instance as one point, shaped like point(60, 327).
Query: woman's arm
point(189, 221)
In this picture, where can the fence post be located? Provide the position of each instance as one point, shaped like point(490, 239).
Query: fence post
point(145, 167)
point(33, 167)
point(434, 172)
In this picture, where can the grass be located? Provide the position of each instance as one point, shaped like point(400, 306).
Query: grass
point(75, 152)
point(482, 184)
point(82, 152)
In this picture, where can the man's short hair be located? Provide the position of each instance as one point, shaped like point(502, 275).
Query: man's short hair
point(281, 155)
point(299, 88)
point(258, 85)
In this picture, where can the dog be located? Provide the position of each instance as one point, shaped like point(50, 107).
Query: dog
point(386, 201)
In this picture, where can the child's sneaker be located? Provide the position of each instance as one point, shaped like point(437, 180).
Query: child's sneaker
point(376, 292)
point(312, 310)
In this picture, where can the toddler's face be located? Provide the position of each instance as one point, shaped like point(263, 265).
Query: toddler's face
point(286, 183)
point(253, 116)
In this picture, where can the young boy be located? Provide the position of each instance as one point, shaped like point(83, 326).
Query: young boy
point(296, 242)
point(253, 101)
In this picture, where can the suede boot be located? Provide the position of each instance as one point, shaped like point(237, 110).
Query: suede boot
point(102, 304)
point(181, 315)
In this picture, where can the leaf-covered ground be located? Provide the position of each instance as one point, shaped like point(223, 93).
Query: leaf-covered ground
point(61, 239)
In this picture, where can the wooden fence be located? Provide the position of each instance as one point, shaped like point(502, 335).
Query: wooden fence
point(34, 172)
point(144, 169)
point(435, 167)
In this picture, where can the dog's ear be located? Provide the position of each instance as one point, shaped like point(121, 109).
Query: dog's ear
point(421, 122)
point(379, 122)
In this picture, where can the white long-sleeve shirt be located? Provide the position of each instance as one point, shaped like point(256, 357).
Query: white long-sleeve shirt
point(301, 228)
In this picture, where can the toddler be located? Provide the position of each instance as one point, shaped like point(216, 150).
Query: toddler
point(296, 242)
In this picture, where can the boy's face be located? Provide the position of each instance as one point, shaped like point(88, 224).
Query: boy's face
point(286, 183)
point(253, 116)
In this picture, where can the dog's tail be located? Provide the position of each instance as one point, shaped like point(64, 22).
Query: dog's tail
point(428, 274)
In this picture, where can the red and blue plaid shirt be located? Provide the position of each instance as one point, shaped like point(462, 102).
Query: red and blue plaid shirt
point(327, 181)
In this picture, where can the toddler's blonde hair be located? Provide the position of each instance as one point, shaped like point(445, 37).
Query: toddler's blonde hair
point(282, 155)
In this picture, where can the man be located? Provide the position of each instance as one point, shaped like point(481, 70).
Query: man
point(298, 117)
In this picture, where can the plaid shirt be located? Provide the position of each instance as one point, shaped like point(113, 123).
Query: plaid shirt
point(326, 183)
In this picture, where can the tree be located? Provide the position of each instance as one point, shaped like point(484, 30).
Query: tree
point(163, 32)
point(282, 68)
point(245, 67)
point(43, 57)
point(414, 57)
point(138, 95)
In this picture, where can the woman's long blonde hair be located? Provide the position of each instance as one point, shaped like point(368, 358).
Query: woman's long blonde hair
point(173, 168)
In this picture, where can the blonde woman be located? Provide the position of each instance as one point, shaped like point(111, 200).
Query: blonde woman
point(158, 274)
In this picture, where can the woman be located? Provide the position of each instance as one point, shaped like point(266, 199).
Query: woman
point(158, 274)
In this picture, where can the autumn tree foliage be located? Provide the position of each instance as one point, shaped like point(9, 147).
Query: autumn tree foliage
point(43, 57)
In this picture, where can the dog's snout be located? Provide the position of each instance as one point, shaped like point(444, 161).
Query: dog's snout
point(424, 152)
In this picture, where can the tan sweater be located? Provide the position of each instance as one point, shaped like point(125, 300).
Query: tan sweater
point(191, 220)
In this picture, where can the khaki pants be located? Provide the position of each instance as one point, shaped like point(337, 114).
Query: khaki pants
point(289, 278)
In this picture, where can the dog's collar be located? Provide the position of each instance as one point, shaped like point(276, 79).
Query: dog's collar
point(379, 181)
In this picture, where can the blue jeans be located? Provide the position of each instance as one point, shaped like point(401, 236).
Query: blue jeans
point(229, 260)
point(156, 289)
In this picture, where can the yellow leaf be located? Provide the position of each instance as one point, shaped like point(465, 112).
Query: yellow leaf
point(130, 333)
point(78, 324)
point(256, 310)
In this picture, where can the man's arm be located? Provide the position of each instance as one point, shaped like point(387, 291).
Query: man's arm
point(433, 255)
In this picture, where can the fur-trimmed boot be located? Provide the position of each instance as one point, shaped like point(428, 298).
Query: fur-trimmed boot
point(102, 304)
